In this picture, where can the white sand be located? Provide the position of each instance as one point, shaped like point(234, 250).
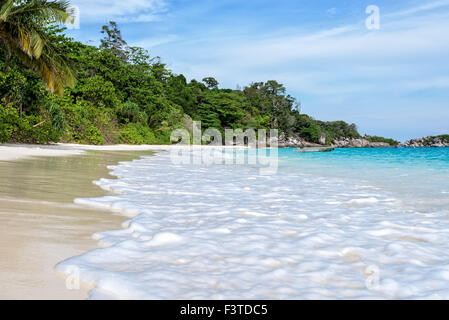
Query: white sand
point(9, 152)
point(15, 152)
point(39, 224)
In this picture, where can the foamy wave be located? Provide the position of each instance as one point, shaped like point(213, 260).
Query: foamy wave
point(226, 232)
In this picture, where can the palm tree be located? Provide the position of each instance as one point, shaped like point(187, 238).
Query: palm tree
point(22, 34)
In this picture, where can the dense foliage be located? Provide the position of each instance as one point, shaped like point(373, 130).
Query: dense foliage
point(123, 95)
point(444, 138)
point(23, 36)
point(391, 142)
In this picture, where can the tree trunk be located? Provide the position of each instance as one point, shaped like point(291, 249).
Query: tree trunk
point(21, 107)
point(6, 68)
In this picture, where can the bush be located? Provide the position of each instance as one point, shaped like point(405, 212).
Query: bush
point(444, 138)
point(30, 129)
point(93, 135)
point(9, 122)
point(34, 129)
point(391, 142)
point(106, 122)
point(97, 90)
point(130, 112)
point(307, 128)
point(339, 129)
point(137, 134)
point(163, 137)
point(53, 112)
point(311, 133)
point(80, 127)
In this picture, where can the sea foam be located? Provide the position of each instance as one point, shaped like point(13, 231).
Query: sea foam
point(227, 232)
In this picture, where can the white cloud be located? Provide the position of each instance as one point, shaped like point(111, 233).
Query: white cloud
point(425, 7)
point(345, 72)
point(344, 60)
point(120, 10)
point(331, 11)
point(156, 41)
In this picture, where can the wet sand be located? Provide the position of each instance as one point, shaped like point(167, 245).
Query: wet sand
point(41, 226)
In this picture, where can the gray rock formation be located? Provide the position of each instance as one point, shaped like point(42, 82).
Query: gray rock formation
point(288, 142)
point(426, 142)
point(322, 138)
point(358, 143)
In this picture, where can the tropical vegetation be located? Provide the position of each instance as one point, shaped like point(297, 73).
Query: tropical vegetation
point(121, 93)
point(391, 142)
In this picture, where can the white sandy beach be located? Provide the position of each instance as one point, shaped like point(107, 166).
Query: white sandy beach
point(313, 230)
point(39, 222)
point(10, 152)
point(40, 225)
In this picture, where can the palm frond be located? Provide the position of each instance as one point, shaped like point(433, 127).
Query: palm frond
point(55, 72)
point(44, 11)
point(6, 6)
point(22, 31)
point(37, 43)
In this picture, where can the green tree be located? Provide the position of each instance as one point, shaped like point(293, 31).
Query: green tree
point(125, 95)
point(113, 41)
point(23, 36)
point(211, 83)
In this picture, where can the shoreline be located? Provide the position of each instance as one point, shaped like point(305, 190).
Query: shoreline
point(40, 223)
point(11, 152)
point(187, 241)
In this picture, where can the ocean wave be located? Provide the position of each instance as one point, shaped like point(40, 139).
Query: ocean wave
point(227, 232)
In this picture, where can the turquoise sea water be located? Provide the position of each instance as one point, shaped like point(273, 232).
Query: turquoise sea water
point(418, 175)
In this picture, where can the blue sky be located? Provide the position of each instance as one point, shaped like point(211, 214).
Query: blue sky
point(392, 82)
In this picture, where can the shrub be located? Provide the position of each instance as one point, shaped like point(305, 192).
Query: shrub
point(311, 133)
point(9, 122)
point(339, 129)
point(391, 142)
point(98, 91)
point(130, 112)
point(80, 125)
point(163, 137)
point(93, 135)
point(35, 129)
point(54, 112)
point(30, 129)
point(444, 138)
point(137, 134)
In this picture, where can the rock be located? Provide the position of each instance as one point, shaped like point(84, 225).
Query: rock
point(358, 143)
point(437, 142)
point(297, 142)
point(308, 150)
point(322, 138)
point(294, 141)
